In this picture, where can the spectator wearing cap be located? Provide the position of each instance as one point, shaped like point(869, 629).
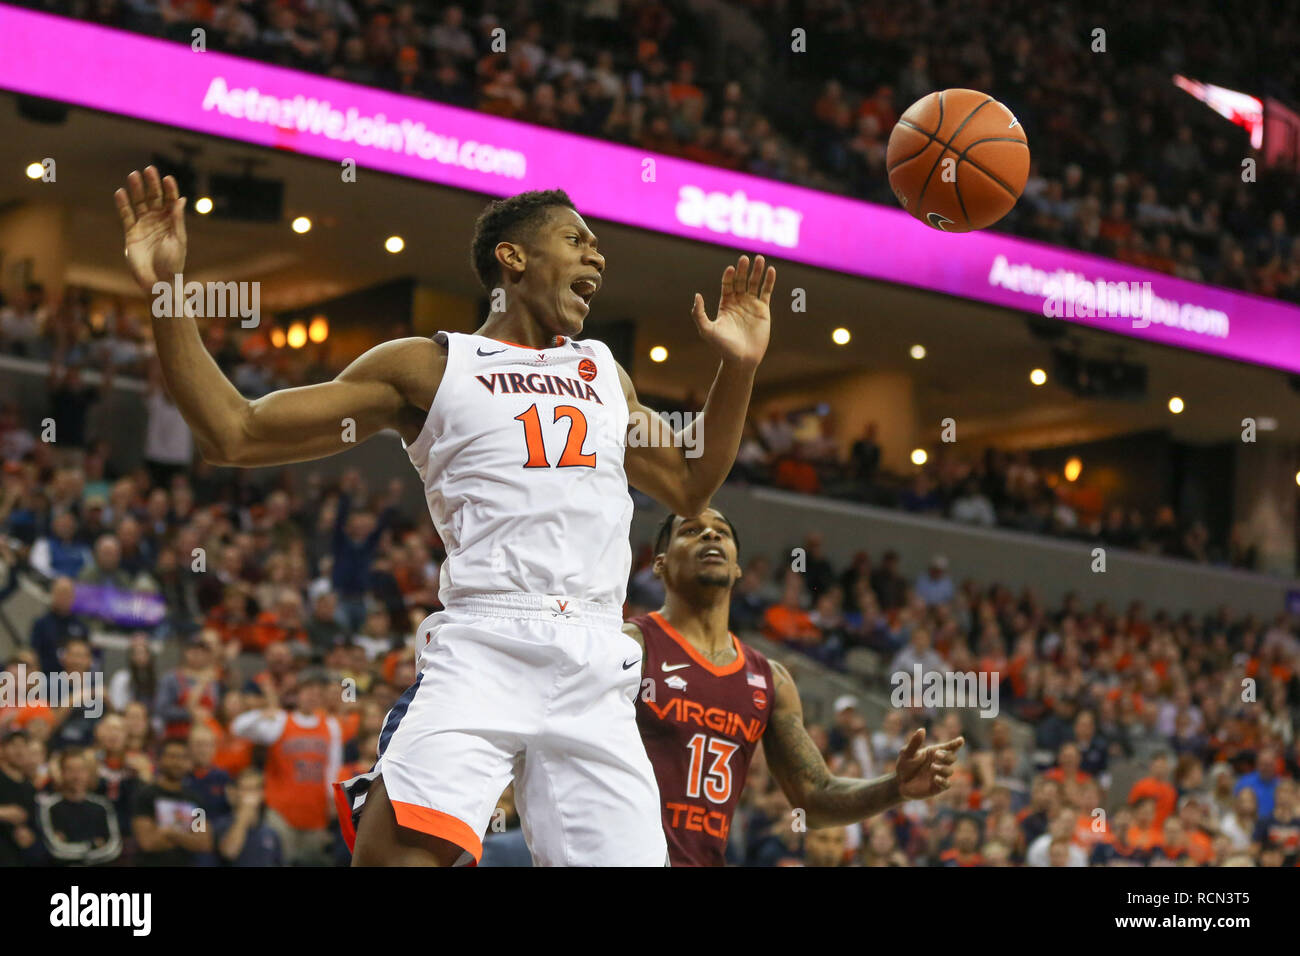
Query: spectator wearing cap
point(305, 750)
point(849, 733)
point(78, 827)
point(57, 626)
point(935, 586)
point(164, 819)
point(242, 836)
point(17, 799)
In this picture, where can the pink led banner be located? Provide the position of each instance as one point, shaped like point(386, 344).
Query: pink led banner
point(239, 99)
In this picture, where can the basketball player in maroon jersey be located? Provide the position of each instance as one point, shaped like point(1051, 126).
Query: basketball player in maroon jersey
point(707, 699)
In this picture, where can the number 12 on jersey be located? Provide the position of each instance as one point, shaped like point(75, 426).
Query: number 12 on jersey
point(573, 456)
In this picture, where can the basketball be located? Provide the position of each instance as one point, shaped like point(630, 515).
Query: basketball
point(957, 160)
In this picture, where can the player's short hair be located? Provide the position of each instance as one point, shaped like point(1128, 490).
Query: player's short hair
point(510, 220)
point(665, 534)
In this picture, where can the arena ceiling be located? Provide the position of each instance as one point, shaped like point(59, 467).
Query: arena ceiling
point(978, 356)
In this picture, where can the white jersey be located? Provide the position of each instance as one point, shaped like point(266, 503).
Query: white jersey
point(521, 456)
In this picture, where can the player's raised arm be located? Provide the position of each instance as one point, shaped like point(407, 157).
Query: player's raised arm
point(379, 390)
point(827, 800)
point(682, 470)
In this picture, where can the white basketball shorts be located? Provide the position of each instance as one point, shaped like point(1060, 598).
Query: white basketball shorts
point(538, 689)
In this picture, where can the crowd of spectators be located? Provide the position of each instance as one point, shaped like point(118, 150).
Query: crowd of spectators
point(85, 332)
point(1206, 705)
point(796, 452)
point(266, 596)
point(1125, 164)
point(275, 595)
point(793, 451)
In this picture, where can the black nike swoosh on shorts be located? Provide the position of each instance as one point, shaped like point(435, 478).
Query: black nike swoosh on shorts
point(497, 352)
point(627, 665)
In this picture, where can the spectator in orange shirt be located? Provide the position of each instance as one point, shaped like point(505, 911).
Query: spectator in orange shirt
point(1191, 815)
point(787, 621)
point(683, 86)
point(1157, 786)
point(1067, 773)
point(233, 754)
point(1146, 833)
point(284, 622)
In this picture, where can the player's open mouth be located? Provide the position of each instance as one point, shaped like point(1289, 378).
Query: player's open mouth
point(713, 555)
point(584, 288)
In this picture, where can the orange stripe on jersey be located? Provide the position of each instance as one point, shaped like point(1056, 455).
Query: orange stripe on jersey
point(439, 824)
point(695, 655)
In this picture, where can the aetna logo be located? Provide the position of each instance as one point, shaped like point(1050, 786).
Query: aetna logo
point(738, 215)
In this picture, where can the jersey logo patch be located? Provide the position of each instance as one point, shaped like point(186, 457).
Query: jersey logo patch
point(760, 700)
point(587, 369)
point(561, 607)
point(497, 352)
point(674, 667)
point(755, 680)
point(675, 682)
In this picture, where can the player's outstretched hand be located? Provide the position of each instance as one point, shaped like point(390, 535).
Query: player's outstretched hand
point(153, 221)
point(740, 330)
point(926, 772)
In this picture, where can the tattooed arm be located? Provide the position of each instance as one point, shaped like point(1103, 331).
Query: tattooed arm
point(828, 800)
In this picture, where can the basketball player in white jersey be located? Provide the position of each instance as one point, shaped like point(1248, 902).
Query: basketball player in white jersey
point(521, 437)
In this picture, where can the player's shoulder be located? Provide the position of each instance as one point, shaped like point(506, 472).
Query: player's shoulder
point(396, 359)
point(753, 656)
point(633, 628)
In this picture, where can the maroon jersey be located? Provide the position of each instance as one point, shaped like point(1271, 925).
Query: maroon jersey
point(700, 728)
